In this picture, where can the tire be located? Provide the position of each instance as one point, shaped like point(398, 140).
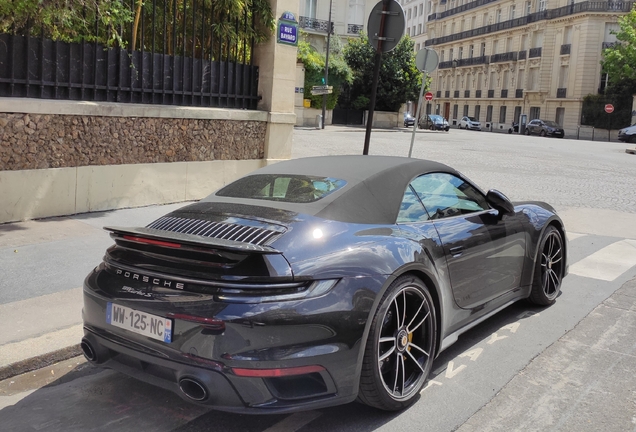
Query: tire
point(393, 353)
point(509, 131)
point(432, 127)
point(548, 272)
point(527, 131)
point(542, 133)
point(632, 139)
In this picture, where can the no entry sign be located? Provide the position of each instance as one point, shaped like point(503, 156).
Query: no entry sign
point(609, 108)
point(428, 96)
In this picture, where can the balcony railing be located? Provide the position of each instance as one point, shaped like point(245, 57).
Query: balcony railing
point(456, 94)
point(522, 55)
point(509, 56)
point(478, 93)
point(354, 28)
point(473, 61)
point(565, 49)
point(466, 93)
point(504, 93)
point(561, 92)
point(439, 94)
point(314, 24)
point(491, 93)
point(534, 52)
point(548, 14)
point(609, 44)
point(459, 9)
point(447, 94)
point(445, 65)
point(519, 93)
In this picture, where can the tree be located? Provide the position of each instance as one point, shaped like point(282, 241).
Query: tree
point(399, 82)
point(314, 63)
point(619, 61)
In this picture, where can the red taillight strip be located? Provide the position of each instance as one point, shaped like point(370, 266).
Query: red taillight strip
point(212, 323)
point(280, 372)
point(151, 241)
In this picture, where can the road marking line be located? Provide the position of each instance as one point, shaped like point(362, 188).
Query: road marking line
point(608, 263)
point(573, 236)
point(294, 422)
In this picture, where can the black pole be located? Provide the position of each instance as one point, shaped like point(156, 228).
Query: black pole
point(374, 90)
point(324, 96)
point(376, 76)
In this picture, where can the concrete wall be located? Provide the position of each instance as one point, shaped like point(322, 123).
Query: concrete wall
point(385, 119)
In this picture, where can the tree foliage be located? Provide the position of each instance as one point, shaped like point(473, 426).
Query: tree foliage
point(618, 94)
point(314, 63)
point(205, 28)
point(399, 82)
point(619, 61)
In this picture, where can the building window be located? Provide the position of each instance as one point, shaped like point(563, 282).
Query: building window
point(450, 54)
point(563, 77)
point(441, 56)
point(509, 44)
point(461, 53)
point(421, 6)
point(498, 20)
point(520, 79)
point(414, 11)
point(482, 51)
point(477, 111)
point(560, 116)
point(461, 25)
point(535, 113)
point(473, 22)
point(528, 8)
point(485, 19)
point(465, 110)
point(533, 79)
point(471, 50)
point(491, 83)
point(310, 8)
point(524, 42)
point(513, 8)
point(502, 114)
point(543, 5)
point(517, 115)
point(409, 14)
point(489, 113)
point(479, 79)
point(419, 29)
point(495, 47)
point(504, 84)
point(455, 109)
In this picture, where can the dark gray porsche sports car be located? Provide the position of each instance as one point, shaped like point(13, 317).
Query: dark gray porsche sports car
point(313, 282)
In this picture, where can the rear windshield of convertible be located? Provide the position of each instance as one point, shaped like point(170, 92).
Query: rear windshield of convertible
point(282, 187)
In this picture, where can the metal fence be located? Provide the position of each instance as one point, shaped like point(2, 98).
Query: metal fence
point(175, 52)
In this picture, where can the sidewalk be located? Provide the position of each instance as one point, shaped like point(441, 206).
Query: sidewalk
point(43, 265)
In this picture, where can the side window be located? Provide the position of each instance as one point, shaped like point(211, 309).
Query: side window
point(445, 195)
point(411, 209)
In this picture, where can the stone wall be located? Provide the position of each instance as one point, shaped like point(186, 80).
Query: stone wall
point(36, 141)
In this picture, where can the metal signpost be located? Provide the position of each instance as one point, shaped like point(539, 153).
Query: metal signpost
point(609, 108)
point(321, 90)
point(426, 61)
point(385, 29)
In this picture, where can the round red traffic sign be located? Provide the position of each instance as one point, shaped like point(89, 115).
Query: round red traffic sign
point(609, 108)
point(428, 96)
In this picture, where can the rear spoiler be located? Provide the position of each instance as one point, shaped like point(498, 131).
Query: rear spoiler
point(193, 240)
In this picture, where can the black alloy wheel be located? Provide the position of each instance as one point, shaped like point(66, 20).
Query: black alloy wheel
point(549, 268)
point(401, 347)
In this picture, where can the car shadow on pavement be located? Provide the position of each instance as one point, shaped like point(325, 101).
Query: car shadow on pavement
point(89, 399)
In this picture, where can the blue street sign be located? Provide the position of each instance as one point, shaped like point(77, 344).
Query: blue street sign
point(287, 33)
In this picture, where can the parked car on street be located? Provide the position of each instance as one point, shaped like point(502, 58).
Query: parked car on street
point(544, 128)
point(433, 122)
point(316, 282)
point(409, 120)
point(469, 123)
point(627, 134)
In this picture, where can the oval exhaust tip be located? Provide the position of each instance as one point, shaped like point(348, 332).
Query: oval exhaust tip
point(193, 389)
point(88, 351)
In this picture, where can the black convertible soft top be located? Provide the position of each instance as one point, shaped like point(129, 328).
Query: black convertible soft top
point(375, 186)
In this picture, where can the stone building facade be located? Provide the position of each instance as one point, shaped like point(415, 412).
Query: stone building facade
point(500, 59)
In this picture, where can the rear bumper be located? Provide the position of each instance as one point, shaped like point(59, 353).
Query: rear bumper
point(325, 332)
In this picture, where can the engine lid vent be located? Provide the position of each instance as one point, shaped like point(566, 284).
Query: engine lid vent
point(220, 230)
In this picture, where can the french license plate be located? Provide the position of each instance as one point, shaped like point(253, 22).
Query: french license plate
point(142, 323)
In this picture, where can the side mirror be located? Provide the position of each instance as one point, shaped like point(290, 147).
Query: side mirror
point(499, 202)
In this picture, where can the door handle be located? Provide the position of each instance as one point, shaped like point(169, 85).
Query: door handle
point(457, 250)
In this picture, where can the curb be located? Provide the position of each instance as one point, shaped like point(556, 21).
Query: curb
point(630, 151)
point(40, 361)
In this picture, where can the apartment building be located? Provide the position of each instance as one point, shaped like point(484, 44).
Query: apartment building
point(503, 58)
point(416, 13)
point(348, 17)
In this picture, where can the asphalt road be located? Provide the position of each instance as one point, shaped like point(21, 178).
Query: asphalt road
point(590, 183)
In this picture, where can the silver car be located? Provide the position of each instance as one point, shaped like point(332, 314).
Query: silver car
point(469, 123)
